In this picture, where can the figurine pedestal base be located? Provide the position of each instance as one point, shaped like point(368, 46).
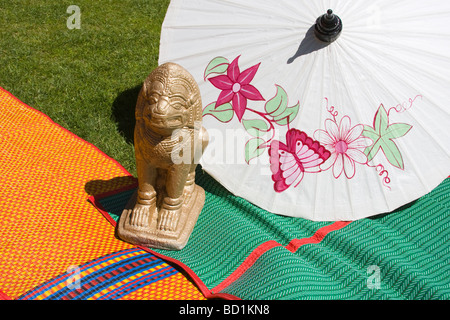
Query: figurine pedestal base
point(151, 236)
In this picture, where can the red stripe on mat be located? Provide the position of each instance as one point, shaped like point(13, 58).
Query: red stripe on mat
point(317, 237)
point(248, 262)
point(293, 246)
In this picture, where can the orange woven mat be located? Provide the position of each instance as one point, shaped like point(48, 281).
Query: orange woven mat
point(47, 226)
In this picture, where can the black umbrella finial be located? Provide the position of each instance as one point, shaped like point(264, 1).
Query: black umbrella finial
point(328, 27)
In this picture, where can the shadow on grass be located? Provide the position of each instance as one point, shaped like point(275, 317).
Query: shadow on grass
point(123, 112)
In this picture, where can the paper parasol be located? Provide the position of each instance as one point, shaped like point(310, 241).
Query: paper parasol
point(323, 114)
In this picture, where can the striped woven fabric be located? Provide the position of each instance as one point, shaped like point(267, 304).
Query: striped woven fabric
point(110, 277)
point(239, 250)
point(50, 234)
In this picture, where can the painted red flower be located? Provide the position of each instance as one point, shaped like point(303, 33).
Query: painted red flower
point(236, 87)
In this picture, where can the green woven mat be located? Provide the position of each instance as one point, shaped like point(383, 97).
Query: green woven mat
point(239, 249)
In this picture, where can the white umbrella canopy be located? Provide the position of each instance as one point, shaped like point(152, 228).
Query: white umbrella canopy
point(326, 131)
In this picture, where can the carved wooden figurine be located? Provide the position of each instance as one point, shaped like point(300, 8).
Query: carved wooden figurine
point(169, 141)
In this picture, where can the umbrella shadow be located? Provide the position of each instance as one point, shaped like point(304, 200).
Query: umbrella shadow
point(123, 110)
point(399, 209)
point(308, 45)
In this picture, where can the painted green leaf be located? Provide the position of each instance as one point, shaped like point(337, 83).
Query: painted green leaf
point(382, 134)
point(217, 65)
point(397, 130)
point(223, 113)
point(287, 116)
point(370, 133)
point(252, 149)
point(278, 104)
point(256, 127)
point(372, 150)
point(381, 120)
point(392, 153)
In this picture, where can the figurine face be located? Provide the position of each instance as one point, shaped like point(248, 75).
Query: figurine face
point(167, 107)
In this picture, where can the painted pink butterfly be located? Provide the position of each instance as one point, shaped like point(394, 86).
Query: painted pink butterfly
point(289, 162)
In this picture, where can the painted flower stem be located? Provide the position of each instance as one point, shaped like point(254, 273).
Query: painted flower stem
point(271, 128)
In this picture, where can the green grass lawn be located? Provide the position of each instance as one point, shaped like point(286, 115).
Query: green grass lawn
point(86, 79)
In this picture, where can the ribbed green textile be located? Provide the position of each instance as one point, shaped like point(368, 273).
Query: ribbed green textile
point(401, 255)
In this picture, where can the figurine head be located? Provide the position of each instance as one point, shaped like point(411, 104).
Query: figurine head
point(169, 100)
